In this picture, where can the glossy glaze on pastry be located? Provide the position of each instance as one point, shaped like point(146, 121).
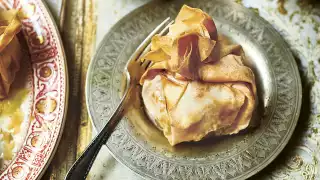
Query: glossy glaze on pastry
point(197, 83)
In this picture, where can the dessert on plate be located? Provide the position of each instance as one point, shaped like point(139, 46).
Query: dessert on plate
point(197, 84)
point(10, 50)
point(11, 119)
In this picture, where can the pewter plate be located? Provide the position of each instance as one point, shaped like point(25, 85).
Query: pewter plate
point(140, 146)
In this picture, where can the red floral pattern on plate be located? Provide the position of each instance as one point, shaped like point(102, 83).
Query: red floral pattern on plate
point(49, 91)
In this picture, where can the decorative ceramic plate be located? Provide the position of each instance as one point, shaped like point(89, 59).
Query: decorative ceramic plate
point(35, 109)
point(140, 146)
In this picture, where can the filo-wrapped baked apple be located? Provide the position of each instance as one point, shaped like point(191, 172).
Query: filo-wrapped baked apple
point(197, 83)
point(10, 50)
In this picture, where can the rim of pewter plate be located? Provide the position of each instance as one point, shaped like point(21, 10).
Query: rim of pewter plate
point(103, 81)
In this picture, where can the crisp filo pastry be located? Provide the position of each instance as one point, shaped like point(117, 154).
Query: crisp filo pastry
point(197, 84)
point(10, 49)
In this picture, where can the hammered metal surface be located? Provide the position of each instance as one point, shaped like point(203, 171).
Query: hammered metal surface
point(278, 85)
